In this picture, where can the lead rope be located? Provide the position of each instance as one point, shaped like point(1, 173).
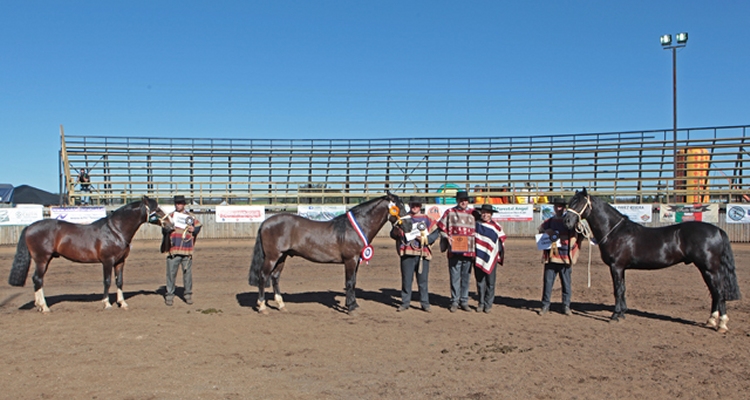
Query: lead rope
point(584, 229)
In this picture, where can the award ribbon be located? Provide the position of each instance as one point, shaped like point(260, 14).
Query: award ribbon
point(367, 251)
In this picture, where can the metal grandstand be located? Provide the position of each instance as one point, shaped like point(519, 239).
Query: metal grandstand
point(637, 166)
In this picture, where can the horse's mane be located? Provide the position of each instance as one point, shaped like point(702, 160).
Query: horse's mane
point(608, 217)
point(341, 223)
point(606, 206)
point(130, 207)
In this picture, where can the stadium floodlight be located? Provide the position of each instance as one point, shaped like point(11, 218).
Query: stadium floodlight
point(666, 44)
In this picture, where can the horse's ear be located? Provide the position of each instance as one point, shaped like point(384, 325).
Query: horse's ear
point(145, 199)
point(583, 191)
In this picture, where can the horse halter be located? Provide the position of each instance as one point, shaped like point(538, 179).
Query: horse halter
point(584, 228)
point(150, 214)
point(580, 213)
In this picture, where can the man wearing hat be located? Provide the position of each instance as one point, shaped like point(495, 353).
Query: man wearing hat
point(414, 250)
point(457, 226)
point(180, 243)
point(559, 259)
point(489, 239)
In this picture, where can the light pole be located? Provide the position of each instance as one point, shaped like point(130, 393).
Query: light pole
point(666, 44)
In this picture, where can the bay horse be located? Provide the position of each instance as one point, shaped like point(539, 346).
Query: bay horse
point(624, 244)
point(105, 241)
point(331, 242)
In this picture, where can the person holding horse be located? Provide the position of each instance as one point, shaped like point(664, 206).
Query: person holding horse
point(180, 243)
point(457, 226)
point(489, 238)
point(560, 257)
point(414, 249)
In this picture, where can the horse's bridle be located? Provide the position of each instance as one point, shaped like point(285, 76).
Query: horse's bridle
point(585, 229)
point(580, 213)
point(149, 214)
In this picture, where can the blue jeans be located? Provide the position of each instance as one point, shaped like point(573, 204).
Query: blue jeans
point(460, 272)
point(85, 195)
point(551, 270)
point(410, 267)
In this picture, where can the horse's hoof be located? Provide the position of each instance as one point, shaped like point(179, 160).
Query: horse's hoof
point(284, 309)
point(711, 323)
point(263, 311)
point(722, 330)
point(353, 312)
point(124, 307)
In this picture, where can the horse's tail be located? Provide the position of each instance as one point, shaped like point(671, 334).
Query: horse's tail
point(259, 257)
point(728, 275)
point(21, 262)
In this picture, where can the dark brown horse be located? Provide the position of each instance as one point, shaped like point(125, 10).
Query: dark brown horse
point(106, 241)
point(627, 245)
point(332, 242)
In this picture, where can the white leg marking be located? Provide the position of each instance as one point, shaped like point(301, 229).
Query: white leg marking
point(723, 324)
point(121, 300)
point(107, 306)
point(279, 301)
point(713, 321)
point(262, 306)
point(40, 302)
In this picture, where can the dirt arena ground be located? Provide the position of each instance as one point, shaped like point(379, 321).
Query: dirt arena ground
point(220, 348)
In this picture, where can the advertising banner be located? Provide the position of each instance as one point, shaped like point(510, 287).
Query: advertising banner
point(78, 215)
point(240, 213)
point(738, 213)
point(320, 213)
point(513, 212)
point(690, 212)
point(640, 213)
point(21, 214)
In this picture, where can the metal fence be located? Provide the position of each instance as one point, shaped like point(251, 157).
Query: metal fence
point(638, 166)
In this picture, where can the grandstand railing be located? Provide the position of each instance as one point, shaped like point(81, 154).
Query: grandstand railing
point(637, 166)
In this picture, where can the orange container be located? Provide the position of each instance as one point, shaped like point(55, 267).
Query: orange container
point(693, 165)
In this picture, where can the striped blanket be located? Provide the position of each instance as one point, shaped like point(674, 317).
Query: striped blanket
point(489, 238)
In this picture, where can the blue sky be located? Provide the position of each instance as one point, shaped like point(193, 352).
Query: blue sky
point(358, 69)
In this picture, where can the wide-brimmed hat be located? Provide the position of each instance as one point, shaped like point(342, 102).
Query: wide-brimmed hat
point(179, 199)
point(487, 208)
point(415, 200)
point(559, 200)
point(462, 194)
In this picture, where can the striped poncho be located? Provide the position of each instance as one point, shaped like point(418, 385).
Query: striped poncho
point(489, 237)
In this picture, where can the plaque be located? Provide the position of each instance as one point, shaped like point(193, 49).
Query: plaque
point(460, 244)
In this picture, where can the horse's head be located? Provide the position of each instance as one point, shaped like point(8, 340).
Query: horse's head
point(579, 208)
point(399, 212)
point(154, 214)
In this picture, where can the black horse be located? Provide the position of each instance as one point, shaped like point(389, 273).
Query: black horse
point(627, 245)
point(105, 241)
point(333, 242)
